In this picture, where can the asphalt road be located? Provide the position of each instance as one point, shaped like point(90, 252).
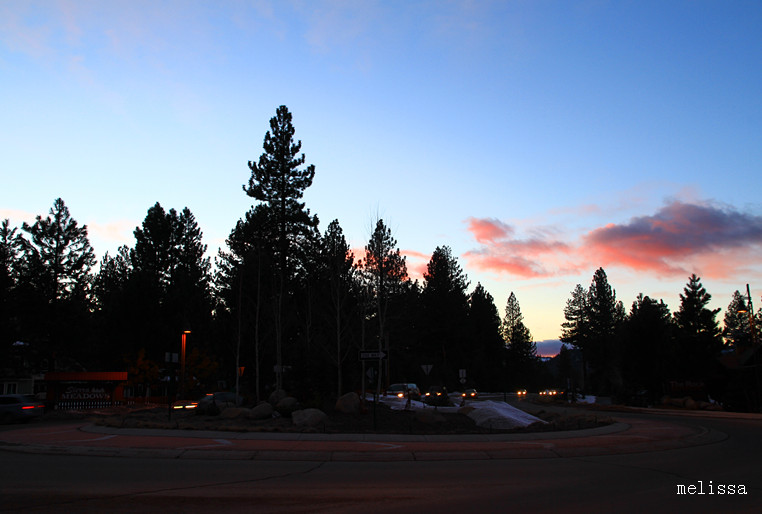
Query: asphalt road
point(612, 483)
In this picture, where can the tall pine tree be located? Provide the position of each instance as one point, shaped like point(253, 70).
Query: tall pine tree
point(54, 280)
point(521, 350)
point(385, 271)
point(444, 317)
point(278, 180)
point(698, 332)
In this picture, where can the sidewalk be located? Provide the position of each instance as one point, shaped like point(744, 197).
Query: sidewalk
point(81, 438)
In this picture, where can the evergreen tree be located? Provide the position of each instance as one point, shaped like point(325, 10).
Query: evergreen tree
point(54, 280)
point(244, 285)
point(576, 328)
point(169, 281)
point(150, 280)
point(58, 256)
point(8, 255)
point(278, 180)
point(337, 267)
point(521, 350)
point(649, 354)
point(737, 331)
point(603, 348)
point(444, 278)
point(487, 348)
point(190, 270)
point(444, 316)
point(8, 301)
point(698, 333)
point(575, 331)
point(115, 310)
point(386, 273)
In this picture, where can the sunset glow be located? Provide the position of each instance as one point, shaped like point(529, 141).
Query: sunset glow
point(538, 141)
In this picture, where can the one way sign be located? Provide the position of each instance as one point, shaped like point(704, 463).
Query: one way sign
point(371, 356)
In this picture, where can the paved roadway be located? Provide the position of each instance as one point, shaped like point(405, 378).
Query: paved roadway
point(634, 466)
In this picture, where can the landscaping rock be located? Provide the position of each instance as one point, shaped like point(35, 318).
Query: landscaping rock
point(277, 396)
point(262, 411)
point(309, 417)
point(287, 405)
point(348, 404)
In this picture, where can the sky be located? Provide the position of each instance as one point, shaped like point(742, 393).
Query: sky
point(539, 140)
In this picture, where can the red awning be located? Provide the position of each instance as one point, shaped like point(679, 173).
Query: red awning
point(86, 376)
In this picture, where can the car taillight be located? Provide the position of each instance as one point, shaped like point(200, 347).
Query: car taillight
point(25, 407)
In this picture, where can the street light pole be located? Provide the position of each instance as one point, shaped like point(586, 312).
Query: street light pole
point(182, 365)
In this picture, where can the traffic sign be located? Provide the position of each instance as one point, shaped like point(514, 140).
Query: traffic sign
point(371, 355)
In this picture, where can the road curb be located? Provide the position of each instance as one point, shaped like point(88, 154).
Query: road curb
point(317, 437)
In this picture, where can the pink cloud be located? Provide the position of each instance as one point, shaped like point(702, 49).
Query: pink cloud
point(675, 239)
point(487, 230)
point(679, 239)
point(416, 263)
point(502, 253)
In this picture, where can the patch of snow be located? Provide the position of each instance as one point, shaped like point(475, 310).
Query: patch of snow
point(488, 414)
point(500, 416)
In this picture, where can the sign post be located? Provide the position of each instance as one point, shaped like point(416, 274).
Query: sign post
point(462, 373)
point(371, 355)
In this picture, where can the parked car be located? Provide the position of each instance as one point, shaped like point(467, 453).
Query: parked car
point(401, 390)
point(20, 407)
point(214, 403)
point(437, 395)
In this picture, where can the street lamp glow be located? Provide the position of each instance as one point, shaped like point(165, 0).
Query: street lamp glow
point(182, 364)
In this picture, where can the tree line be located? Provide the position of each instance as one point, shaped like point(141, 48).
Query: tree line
point(288, 306)
point(649, 352)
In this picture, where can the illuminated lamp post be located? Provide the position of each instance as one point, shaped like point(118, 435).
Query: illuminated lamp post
point(182, 364)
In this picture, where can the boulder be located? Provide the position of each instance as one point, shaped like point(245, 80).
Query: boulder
point(276, 396)
point(287, 405)
point(262, 411)
point(348, 404)
point(309, 417)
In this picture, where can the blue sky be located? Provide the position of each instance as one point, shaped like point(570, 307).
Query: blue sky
point(540, 140)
